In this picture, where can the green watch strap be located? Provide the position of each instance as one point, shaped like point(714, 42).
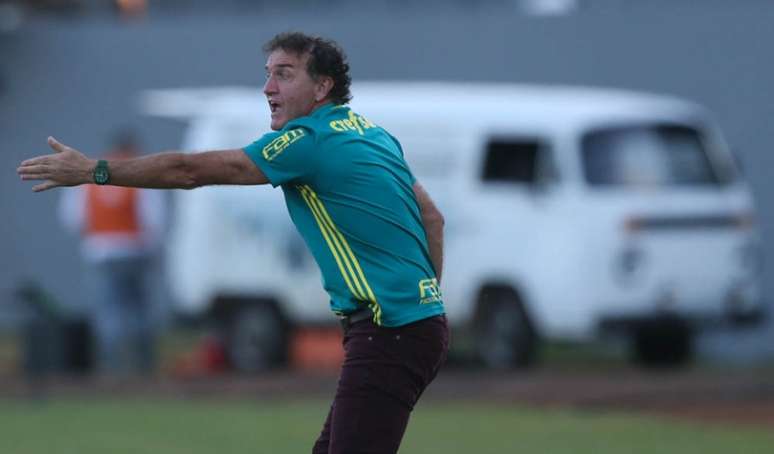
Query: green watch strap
point(101, 172)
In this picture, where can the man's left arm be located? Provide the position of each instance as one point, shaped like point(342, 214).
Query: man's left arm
point(433, 221)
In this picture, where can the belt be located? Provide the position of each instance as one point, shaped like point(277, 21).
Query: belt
point(364, 313)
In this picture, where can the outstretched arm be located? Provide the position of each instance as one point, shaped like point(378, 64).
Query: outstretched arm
point(69, 167)
point(433, 222)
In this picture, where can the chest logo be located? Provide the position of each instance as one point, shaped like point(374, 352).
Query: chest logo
point(357, 123)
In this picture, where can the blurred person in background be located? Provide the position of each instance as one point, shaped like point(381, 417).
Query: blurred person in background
point(120, 230)
point(373, 230)
point(131, 9)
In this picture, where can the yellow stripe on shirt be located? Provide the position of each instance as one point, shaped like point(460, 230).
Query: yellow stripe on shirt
point(338, 254)
point(343, 241)
point(346, 252)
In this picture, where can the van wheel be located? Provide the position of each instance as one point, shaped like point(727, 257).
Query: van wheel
point(256, 338)
point(663, 342)
point(504, 336)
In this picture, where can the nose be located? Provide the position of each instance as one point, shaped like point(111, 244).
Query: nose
point(270, 86)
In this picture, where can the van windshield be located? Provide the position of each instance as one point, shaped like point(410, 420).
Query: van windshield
point(647, 156)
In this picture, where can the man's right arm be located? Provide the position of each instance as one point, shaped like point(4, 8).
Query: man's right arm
point(186, 171)
point(69, 167)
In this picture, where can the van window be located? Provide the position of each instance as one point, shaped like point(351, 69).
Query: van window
point(519, 161)
point(647, 156)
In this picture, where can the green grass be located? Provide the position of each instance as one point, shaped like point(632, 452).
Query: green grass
point(169, 426)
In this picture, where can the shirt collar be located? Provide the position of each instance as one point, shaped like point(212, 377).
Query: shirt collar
point(323, 109)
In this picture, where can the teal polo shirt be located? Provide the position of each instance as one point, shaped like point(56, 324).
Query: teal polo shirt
point(350, 194)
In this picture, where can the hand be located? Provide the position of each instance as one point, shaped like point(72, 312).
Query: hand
point(65, 167)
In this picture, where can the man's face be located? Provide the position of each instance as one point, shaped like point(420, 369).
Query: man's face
point(289, 88)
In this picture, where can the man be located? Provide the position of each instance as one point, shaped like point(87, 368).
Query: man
point(374, 232)
point(120, 228)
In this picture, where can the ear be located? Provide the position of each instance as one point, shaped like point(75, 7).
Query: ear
point(322, 88)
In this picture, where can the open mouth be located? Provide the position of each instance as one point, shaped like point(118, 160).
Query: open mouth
point(273, 106)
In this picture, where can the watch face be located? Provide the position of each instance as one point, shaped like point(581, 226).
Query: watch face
point(101, 175)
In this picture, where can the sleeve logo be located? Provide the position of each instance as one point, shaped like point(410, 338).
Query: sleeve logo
point(278, 145)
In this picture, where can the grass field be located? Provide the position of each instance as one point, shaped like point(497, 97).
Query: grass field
point(170, 426)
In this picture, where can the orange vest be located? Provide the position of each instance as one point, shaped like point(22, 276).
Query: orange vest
point(112, 209)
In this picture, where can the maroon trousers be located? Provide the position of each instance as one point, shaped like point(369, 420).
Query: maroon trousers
point(385, 371)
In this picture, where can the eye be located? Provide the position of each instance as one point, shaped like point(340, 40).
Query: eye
point(287, 74)
point(281, 74)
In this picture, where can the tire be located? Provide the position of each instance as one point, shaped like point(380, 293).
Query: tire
point(257, 338)
point(504, 337)
point(663, 343)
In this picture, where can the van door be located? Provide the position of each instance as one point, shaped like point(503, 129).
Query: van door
point(518, 209)
point(514, 255)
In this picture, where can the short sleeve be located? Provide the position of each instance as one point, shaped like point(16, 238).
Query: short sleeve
point(284, 156)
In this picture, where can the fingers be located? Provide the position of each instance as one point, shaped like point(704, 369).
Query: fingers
point(50, 168)
point(33, 168)
point(34, 172)
point(34, 161)
point(55, 145)
point(48, 184)
point(34, 176)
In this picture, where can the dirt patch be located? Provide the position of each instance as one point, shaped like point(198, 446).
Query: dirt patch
point(743, 397)
point(739, 397)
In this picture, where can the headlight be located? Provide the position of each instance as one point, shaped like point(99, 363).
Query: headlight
point(628, 263)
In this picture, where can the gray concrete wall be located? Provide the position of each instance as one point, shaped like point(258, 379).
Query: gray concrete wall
point(77, 79)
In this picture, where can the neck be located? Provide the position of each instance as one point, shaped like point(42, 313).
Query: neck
point(319, 104)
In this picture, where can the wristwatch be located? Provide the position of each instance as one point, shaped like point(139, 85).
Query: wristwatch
point(101, 172)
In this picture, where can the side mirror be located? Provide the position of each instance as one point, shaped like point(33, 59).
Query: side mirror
point(541, 186)
point(546, 176)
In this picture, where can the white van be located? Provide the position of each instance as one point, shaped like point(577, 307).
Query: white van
point(570, 213)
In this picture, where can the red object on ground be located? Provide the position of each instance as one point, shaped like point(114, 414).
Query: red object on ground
point(212, 355)
point(317, 349)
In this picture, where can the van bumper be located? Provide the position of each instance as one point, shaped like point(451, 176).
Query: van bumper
point(629, 323)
